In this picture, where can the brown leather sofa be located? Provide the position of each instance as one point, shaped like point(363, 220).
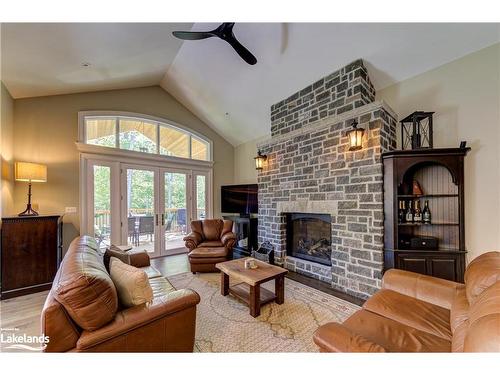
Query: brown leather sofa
point(82, 312)
point(418, 313)
point(210, 242)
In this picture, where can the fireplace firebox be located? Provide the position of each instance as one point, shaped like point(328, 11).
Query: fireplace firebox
point(308, 236)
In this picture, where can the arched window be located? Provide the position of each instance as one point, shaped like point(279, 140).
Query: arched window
point(144, 134)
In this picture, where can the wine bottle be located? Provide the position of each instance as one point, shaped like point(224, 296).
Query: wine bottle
point(409, 213)
point(401, 212)
point(426, 213)
point(417, 215)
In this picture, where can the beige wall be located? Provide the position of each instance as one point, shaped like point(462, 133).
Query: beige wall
point(6, 152)
point(46, 129)
point(244, 163)
point(465, 94)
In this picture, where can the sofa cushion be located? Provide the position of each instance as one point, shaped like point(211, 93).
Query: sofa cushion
point(84, 287)
point(208, 252)
point(132, 284)
point(394, 336)
point(212, 229)
point(481, 273)
point(116, 252)
point(459, 312)
point(151, 272)
point(161, 286)
point(412, 312)
point(211, 244)
point(483, 332)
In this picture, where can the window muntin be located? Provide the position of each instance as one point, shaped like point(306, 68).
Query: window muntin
point(144, 135)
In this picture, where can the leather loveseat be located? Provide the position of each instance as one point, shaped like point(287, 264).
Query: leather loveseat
point(210, 242)
point(418, 313)
point(82, 312)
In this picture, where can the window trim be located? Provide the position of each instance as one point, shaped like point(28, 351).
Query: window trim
point(140, 116)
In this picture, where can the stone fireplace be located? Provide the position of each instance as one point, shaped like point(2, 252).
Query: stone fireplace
point(309, 237)
point(311, 173)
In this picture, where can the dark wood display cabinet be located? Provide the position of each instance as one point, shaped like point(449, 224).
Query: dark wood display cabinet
point(31, 250)
point(435, 177)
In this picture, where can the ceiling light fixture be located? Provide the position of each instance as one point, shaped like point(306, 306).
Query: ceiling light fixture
point(86, 64)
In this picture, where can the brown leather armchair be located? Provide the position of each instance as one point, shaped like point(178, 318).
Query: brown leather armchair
point(82, 312)
point(211, 241)
point(419, 313)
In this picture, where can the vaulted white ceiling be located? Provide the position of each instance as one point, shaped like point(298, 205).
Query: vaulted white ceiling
point(46, 58)
point(208, 77)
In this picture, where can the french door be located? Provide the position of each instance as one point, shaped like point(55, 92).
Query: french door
point(144, 206)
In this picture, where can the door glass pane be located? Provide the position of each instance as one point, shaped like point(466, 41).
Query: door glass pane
point(174, 142)
point(175, 219)
point(199, 149)
point(100, 131)
point(102, 205)
point(200, 197)
point(140, 209)
point(137, 135)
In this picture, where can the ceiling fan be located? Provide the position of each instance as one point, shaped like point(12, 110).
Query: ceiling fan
point(225, 32)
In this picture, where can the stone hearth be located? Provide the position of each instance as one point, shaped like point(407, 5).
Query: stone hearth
point(310, 170)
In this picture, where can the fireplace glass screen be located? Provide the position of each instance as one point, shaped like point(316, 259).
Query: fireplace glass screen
point(309, 237)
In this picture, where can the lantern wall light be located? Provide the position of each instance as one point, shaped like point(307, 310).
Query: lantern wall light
point(259, 161)
point(355, 136)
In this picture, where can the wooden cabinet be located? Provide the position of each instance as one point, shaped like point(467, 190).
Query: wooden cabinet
point(31, 249)
point(440, 174)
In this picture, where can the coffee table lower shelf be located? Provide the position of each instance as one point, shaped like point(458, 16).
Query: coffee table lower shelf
point(242, 292)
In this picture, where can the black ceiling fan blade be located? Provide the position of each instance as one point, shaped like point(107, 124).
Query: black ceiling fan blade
point(241, 50)
point(193, 35)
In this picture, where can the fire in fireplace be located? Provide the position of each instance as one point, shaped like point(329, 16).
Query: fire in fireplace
point(309, 237)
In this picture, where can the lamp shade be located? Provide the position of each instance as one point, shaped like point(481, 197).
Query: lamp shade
point(30, 172)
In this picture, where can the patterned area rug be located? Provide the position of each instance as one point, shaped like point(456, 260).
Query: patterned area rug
point(224, 324)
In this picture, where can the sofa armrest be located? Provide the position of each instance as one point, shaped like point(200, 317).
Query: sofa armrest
point(192, 240)
point(135, 317)
point(228, 239)
point(430, 289)
point(334, 337)
point(139, 259)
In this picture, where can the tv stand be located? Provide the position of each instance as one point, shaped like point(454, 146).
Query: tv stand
point(244, 226)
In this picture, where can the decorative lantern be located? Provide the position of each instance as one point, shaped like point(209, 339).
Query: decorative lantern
point(416, 131)
point(355, 136)
point(259, 161)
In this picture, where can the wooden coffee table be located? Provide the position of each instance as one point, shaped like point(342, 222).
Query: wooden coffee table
point(249, 290)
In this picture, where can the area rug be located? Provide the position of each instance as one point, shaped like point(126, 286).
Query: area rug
point(223, 323)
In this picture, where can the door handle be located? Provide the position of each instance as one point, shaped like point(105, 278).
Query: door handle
point(162, 219)
point(157, 219)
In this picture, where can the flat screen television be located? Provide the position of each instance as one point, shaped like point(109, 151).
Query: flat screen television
point(239, 199)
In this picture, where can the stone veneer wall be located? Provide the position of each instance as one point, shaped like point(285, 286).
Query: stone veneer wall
point(339, 92)
point(311, 170)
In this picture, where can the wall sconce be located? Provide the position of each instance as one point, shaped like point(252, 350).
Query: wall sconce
point(259, 161)
point(355, 137)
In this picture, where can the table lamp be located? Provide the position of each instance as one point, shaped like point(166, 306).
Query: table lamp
point(30, 172)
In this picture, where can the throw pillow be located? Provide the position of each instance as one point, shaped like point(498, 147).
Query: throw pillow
point(132, 284)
